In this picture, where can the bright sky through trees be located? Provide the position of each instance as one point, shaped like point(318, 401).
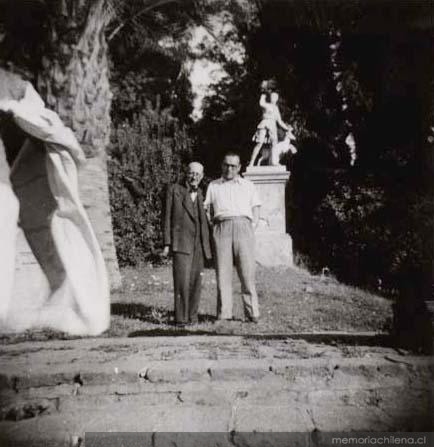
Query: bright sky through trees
point(203, 72)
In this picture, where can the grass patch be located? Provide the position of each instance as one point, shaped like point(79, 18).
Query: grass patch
point(290, 301)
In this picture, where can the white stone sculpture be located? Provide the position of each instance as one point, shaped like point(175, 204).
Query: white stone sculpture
point(266, 132)
point(39, 199)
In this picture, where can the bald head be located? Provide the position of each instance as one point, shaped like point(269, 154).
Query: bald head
point(194, 174)
point(195, 166)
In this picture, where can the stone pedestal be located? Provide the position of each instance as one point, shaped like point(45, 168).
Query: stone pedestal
point(273, 243)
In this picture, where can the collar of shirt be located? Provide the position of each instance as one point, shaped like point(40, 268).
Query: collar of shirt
point(190, 189)
point(236, 179)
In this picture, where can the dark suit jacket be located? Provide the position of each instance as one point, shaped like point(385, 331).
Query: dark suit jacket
point(179, 224)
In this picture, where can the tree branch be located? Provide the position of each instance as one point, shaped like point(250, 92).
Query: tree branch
point(148, 7)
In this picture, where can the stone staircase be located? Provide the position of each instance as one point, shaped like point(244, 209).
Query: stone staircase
point(207, 391)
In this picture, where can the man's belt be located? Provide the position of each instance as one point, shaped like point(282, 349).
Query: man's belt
point(224, 219)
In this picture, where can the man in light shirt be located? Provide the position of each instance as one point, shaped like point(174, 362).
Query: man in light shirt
point(232, 205)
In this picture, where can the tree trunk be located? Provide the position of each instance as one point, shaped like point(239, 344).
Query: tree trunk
point(74, 81)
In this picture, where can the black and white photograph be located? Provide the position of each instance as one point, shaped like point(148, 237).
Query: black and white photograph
point(216, 223)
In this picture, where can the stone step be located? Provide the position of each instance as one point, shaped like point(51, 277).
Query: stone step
point(53, 392)
point(301, 373)
point(241, 408)
point(169, 359)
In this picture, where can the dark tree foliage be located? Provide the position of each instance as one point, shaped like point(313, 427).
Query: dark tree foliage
point(145, 155)
point(150, 144)
point(24, 33)
point(148, 51)
point(372, 222)
point(149, 46)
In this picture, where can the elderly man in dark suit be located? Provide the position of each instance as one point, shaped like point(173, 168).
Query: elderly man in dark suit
point(186, 233)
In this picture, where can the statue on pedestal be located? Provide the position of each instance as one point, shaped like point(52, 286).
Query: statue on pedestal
point(266, 131)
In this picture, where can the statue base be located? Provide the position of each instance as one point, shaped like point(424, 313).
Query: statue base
point(273, 243)
point(273, 250)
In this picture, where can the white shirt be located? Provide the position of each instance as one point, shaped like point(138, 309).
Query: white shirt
point(193, 195)
point(232, 198)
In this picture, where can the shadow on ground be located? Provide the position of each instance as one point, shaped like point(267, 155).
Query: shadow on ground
point(164, 319)
point(151, 314)
point(157, 315)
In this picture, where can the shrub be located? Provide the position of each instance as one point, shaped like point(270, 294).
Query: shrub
point(372, 236)
point(145, 155)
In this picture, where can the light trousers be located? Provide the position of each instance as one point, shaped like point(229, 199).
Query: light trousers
point(234, 241)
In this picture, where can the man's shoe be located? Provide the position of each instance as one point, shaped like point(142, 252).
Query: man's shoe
point(254, 320)
point(222, 319)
